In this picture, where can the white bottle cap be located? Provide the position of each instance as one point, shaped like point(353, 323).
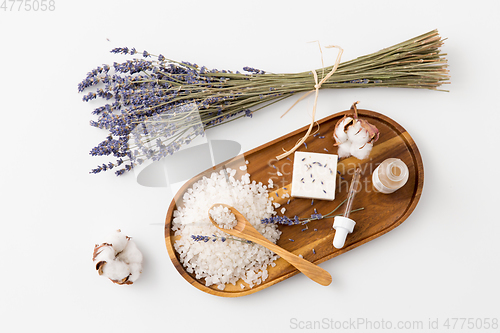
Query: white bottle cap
point(343, 226)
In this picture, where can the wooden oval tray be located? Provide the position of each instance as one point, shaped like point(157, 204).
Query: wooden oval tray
point(381, 213)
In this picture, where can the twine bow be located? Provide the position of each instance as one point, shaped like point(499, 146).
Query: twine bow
point(317, 86)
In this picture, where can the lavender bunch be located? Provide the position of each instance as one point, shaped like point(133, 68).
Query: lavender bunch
point(156, 105)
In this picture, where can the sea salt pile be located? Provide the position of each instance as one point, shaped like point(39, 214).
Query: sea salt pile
point(223, 217)
point(224, 259)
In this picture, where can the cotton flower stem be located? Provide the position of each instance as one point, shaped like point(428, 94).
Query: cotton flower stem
point(355, 109)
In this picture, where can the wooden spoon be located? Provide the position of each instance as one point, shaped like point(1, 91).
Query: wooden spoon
point(244, 229)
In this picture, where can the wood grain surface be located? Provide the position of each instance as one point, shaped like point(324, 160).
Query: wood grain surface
point(382, 212)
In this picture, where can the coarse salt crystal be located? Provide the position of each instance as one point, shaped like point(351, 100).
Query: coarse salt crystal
point(220, 263)
point(283, 210)
point(223, 217)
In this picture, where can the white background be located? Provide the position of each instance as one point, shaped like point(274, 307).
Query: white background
point(442, 262)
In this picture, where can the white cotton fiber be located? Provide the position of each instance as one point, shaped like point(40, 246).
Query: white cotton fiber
point(106, 254)
point(118, 240)
point(130, 254)
point(353, 141)
point(340, 135)
point(353, 130)
point(118, 259)
point(344, 149)
point(361, 152)
point(116, 270)
point(135, 271)
point(360, 137)
point(218, 262)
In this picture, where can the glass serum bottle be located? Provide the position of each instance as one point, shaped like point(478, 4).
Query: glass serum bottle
point(390, 176)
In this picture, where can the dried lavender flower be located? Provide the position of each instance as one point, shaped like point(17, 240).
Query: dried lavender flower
point(276, 219)
point(154, 105)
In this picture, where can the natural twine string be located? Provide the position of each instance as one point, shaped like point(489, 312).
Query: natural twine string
point(317, 86)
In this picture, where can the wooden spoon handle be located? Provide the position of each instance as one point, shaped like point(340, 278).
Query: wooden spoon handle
point(312, 271)
point(245, 230)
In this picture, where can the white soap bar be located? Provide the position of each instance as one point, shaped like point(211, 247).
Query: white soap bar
point(314, 175)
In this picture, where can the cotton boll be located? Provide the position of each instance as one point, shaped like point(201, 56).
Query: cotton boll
point(131, 253)
point(116, 270)
point(353, 129)
point(118, 259)
point(355, 136)
point(358, 142)
point(118, 240)
point(359, 138)
point(344, 149)
point(135, 271)
point(339, 132)
point(104, 253)
point(361, 152)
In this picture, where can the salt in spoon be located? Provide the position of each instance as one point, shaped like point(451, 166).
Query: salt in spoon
point(244, 229)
